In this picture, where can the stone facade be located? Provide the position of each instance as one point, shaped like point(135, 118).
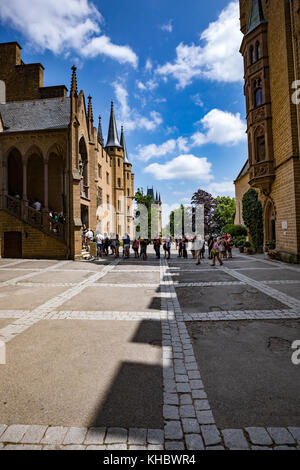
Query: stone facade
point(273, 120)
point(51, 152)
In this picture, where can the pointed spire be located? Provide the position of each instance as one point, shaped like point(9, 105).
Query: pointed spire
point(159, 199)
point(90, 109)
point(74, 81)
point(112, 137)
point(100, 135)
point(156, 197)
point(123, 144)
point(256, 15)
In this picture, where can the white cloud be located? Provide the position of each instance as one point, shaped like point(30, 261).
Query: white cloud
point(149, 85)
point(182, 167)
point(64, 26)
point(221, 128)
point(148, 66)
point(167, 27)
point(222, 188)
point(131, 118)
point(197, 100)
point(218, 59)
point(152, 150)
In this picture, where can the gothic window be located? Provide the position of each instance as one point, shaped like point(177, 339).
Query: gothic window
point(119, 182)
point(258, 93)
point(107, 178)
point(258, 51)
point(99, 171)
point(260, 144)
point(127, 191)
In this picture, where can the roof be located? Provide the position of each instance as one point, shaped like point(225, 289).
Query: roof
point(51, 113)
point(112, 137)
point(243, 171)
point(123, 144)
point(256, 15)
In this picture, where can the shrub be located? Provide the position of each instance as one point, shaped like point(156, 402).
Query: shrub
point(235, 230)
point(252, 215)
point(239, 241)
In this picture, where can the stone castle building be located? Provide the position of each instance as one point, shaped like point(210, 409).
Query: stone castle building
point(51, 153)
point(271, 53)
point(156, 225)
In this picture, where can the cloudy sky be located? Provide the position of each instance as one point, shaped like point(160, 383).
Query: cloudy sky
point(172, 68)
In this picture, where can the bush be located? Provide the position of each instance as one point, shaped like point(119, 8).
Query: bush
point(239, 241)
point(235, 230)
point(252, 215)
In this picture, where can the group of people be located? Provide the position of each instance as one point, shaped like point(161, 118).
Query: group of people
point(219, 247)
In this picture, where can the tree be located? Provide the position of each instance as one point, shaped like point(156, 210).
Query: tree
point(253, 218)
point(210, 204)
point(225, 211)
point(145, 200)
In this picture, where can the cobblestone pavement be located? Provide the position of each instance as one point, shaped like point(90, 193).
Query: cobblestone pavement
point(37, 294)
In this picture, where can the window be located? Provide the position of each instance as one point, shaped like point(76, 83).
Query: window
point(99, 171)
point(128, 192)
point(119, 182)
point(258, 92)
point(128, 176)
point(258, 51)
point(107, 178)
point(128, 209)
point(107, 199)
point(260, 149)
point(118, 162)
point(119, 206)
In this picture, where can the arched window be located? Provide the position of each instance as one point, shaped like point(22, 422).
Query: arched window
point(2, 92)
point(258, 92)
point(260, 145)
point(258, 51)
point(252, 55)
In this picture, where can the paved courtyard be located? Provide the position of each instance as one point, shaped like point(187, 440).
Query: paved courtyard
point(125, 354)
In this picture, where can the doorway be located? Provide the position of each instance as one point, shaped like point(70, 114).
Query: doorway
point(12, 245)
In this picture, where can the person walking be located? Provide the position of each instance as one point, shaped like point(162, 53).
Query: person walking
point(184, 248)
point(99, 240)
point(193, 248)
point(168, 247)
point(157, 245)
point(210, 243)
point(197, 248)
point(126, 246)
point(135, 247)
point(117, 246)
point(216, 253)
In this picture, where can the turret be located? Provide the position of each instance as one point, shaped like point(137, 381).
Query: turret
point(112, 137)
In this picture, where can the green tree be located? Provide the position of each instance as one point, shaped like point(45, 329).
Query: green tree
point(253, 218)
point(145, 200)
point(225, 211)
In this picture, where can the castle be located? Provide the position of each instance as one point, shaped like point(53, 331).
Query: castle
point(54, 161)
point(271, 51)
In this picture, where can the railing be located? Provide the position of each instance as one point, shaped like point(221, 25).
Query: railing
point(40, 220)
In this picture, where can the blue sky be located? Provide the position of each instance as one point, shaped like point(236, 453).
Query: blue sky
point(173, 70)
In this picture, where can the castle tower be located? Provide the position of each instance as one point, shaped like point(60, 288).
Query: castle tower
point(128, 186)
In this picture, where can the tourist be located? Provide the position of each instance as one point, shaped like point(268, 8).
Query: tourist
point(168, 247)
point(180, 247)
point(193, 247)
point(143, 245)
point(197, 248)
point(157, 245)
point(126, 246)
point(37, 205)
point(135, 247)
point(210, 243)
point(229, 245)
point(117, 246)
point(222, 247)
point(106, 244)
point(202, 251)
point(99, 241)
point(216, 252)
point(184, 248)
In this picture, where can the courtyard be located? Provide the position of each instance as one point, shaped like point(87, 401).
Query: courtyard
point(158, 354)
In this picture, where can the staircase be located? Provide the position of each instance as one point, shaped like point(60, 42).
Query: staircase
point(39, 220)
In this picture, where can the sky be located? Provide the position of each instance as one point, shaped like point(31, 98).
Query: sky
point(172, 68)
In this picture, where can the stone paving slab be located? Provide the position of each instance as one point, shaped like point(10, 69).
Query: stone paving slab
point(7, 275)
point(205, 299)
point(108, 298)
point(239, 362)
point(107, 365)
point(269, 274)
point(5, 321)
point(210, 276)
point(130, 278)
point(15, 297)
point(58, 277)
point(293, 290)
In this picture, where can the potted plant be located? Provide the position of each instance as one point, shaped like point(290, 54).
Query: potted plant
point(240, 243)
point(249, 248)
point(270, 245)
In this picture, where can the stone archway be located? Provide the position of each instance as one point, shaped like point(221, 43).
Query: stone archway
point(270, 222)
point(55, 182)
point(35, 178)
point(15, 173)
